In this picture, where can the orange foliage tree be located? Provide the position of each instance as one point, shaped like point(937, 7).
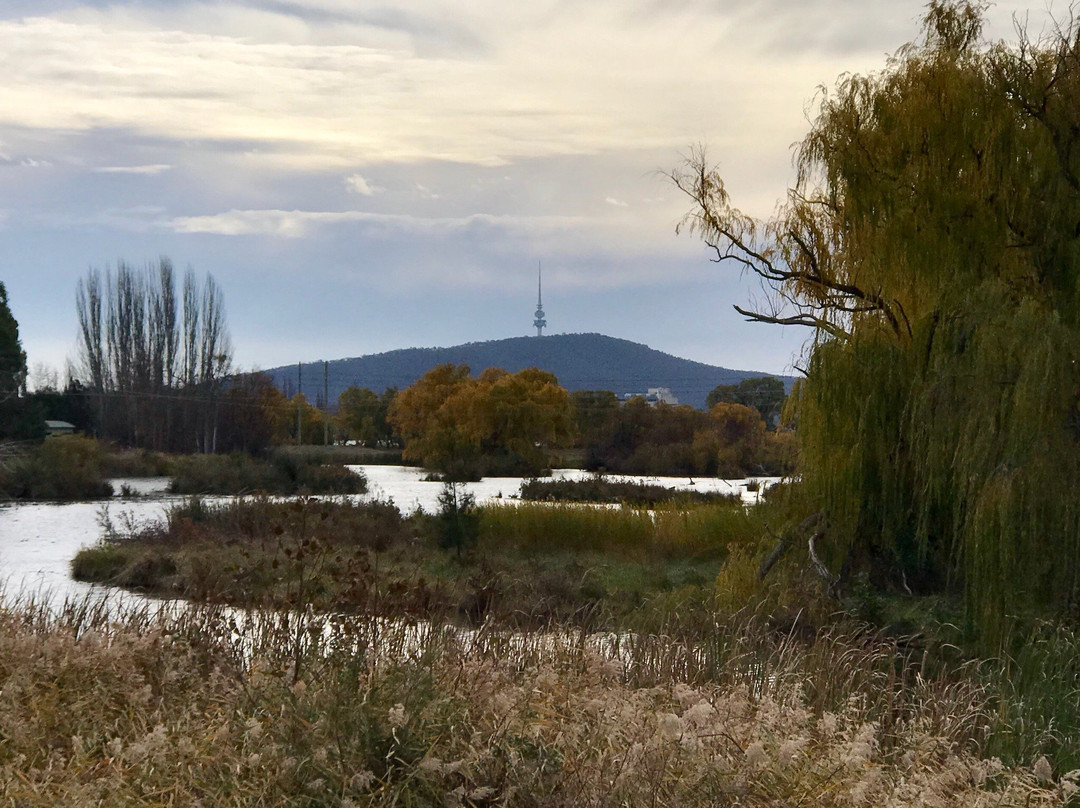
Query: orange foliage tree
point(499, 421)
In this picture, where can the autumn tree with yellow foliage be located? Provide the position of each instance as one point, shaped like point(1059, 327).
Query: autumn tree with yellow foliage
point(497, 422)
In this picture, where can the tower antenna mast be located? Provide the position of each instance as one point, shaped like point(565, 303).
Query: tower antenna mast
point(539, 322)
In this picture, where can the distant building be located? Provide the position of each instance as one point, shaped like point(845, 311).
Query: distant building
point(654, 396)
point(55, 428)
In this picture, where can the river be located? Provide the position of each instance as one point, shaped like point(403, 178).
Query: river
point(39, 539)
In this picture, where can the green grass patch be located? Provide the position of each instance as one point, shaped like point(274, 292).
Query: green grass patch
point(668, 532)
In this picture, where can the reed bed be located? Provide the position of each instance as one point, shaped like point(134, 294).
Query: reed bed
point(223, 708)
point(602, 489)
point(669, 531)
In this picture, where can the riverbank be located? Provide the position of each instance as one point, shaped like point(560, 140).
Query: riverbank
point(72, 467)
point(211, 709)
point(688, 576)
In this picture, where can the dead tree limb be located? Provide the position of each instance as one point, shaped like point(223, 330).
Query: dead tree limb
point(819, 566)
point(785, 542)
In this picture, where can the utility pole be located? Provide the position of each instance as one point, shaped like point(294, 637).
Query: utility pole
point(299, 403)
point(326, 403)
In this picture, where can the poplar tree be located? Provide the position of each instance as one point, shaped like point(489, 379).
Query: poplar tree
point(154, 363)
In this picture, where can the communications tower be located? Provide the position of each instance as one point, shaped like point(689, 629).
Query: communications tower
point(539, 322)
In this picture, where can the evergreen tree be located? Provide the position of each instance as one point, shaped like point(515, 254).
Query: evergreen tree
point(19, 420)
point(12, 357)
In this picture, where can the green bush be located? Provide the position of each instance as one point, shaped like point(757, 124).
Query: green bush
point(65, 468)
point(102, 563)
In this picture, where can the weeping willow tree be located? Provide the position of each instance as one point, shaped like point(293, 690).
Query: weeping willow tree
point(932, 241)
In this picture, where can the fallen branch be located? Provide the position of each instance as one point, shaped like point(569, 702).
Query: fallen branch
point(785, 542)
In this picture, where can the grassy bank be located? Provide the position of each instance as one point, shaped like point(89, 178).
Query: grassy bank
point(343, 455)
point(77, 467)
point(527, 564)
point(117, 462)
point(600, 489)
point(687, 574)
point(208, 709)
point(283, 473)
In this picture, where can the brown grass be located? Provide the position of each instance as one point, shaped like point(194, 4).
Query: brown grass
point(218, 708)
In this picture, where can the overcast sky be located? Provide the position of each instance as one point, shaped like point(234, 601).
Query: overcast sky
point(361, 177)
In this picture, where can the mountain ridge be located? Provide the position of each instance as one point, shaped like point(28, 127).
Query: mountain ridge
point(588, 361)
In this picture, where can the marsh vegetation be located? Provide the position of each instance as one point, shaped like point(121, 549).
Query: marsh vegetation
point(896, 627)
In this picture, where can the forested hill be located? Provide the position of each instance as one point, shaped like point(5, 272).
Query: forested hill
point(580, 361)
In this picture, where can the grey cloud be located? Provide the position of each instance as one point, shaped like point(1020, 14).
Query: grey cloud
point(300, 223)
point(154, 168)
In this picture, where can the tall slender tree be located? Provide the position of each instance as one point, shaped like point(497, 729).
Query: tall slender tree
point(155, 368)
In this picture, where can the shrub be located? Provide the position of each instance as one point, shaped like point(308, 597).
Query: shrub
point(459, 522)
point(282, 474)
point(67, 467)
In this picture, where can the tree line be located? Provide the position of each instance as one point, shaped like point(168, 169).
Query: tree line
point(153, 358)
point(154, 371)
point(504, 423)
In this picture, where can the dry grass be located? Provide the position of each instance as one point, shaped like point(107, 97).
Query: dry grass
point(669, 531)
point(598, 566)
point(218, 708)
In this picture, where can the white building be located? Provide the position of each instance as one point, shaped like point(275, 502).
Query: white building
point(654, 396)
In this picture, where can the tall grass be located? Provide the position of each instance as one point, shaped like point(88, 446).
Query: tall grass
point(667, 532)
point(208, 707)
point(136, 463)
point(1036, 697)
point(342, 455)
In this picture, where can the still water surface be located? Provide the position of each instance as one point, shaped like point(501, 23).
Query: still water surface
point(39, 539)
